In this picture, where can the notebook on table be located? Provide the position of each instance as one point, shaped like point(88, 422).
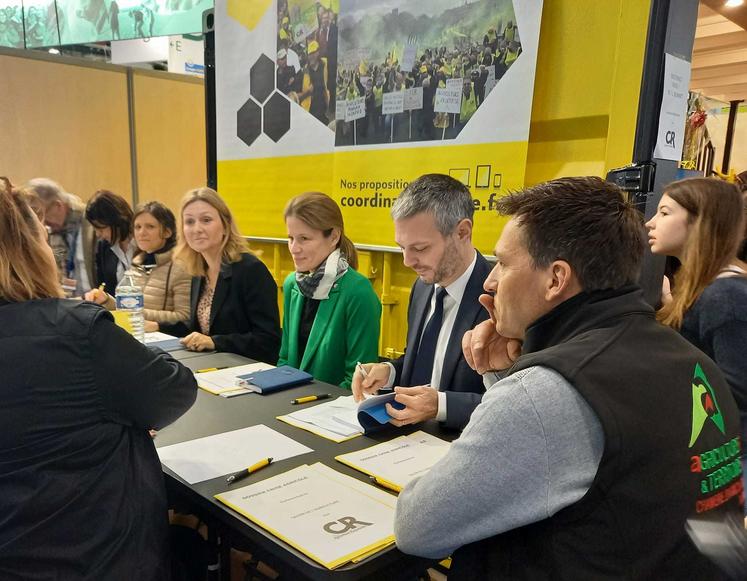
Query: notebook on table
point(272, 380)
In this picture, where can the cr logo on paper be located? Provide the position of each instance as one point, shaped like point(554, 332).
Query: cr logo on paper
point(344, 524)
point(669, 138)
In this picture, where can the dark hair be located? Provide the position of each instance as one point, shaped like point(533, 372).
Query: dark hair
point(106, 208)
point(584, 221)
point(165, 218)
point(449, 201)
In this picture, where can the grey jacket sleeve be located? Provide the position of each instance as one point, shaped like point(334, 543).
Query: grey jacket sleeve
point(532, 447)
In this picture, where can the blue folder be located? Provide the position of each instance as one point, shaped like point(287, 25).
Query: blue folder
point(272, 380)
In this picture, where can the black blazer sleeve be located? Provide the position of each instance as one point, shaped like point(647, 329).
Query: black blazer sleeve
point(106, 267)
point(248, 322)
point(138, 387)
point(178, 329)
point(459, 408)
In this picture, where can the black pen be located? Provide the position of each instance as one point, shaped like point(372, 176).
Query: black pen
point(247, 471)
point(308, 398)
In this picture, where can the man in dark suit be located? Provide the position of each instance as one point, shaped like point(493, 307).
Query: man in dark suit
point(433, 226)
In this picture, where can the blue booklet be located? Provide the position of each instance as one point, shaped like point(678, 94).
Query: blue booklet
point(372, 414)
point(168, 345)
point(272, 380)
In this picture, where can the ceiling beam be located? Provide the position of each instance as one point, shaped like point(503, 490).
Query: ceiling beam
point(705, 73)
point(731, 40)
point(737, 15)
point(728, 57)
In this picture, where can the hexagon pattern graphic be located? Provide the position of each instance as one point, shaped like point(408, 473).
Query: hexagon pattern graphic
point(262, 78)
point(249, 122)
point(276, 117)
point(252, 118)
point(248, 12)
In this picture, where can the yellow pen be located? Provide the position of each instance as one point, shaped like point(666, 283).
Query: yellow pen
point(308, 398)
point(386, 484)
point(247, 471)
point(209, 369)
point(102, 286)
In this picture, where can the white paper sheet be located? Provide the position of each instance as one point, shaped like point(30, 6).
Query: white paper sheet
point(673, 113)
point(335, 416)
point(213, 456)
point(309, 427)
point(339, 416)
point(377, 493)
point(157, 336)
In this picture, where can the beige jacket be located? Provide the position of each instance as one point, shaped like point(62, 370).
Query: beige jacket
point(166, 290)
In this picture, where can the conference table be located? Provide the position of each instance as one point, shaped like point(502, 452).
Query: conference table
point(212, 414)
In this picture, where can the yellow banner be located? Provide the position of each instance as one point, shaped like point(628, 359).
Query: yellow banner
point(366, 182)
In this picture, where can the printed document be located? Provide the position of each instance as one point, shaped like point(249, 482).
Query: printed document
point(328, 516)
point(396, 462)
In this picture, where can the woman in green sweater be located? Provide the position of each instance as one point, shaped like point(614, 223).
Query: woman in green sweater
point(331, 314)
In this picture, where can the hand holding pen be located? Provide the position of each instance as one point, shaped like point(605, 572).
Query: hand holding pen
point(97, 295)
point(368, 379)
point(247, 471)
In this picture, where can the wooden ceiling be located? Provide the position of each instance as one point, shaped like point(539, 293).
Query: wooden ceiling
point(719, 62)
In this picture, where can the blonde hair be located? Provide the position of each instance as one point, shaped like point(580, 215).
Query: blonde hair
point(320, 212)
point(233, 245)
point(716, 217)
point(28, 270)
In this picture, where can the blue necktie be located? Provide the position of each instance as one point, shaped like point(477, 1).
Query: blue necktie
point(423, 369)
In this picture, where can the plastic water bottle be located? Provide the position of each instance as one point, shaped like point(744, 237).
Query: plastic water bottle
point(129, 296)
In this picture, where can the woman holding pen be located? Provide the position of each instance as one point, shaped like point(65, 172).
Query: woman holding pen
point(111, 218)
point(331, 314)
point(166, 285)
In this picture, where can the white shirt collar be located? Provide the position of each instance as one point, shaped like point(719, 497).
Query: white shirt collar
point(456, 289)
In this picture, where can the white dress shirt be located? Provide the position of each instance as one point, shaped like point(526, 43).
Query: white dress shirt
point(124, 258)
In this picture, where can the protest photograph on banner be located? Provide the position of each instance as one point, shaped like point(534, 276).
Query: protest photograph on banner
point(99, 20)
point(11, 23)
point(307, 55)
point(41, 27)
point(46, 23)
point(453, 51)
